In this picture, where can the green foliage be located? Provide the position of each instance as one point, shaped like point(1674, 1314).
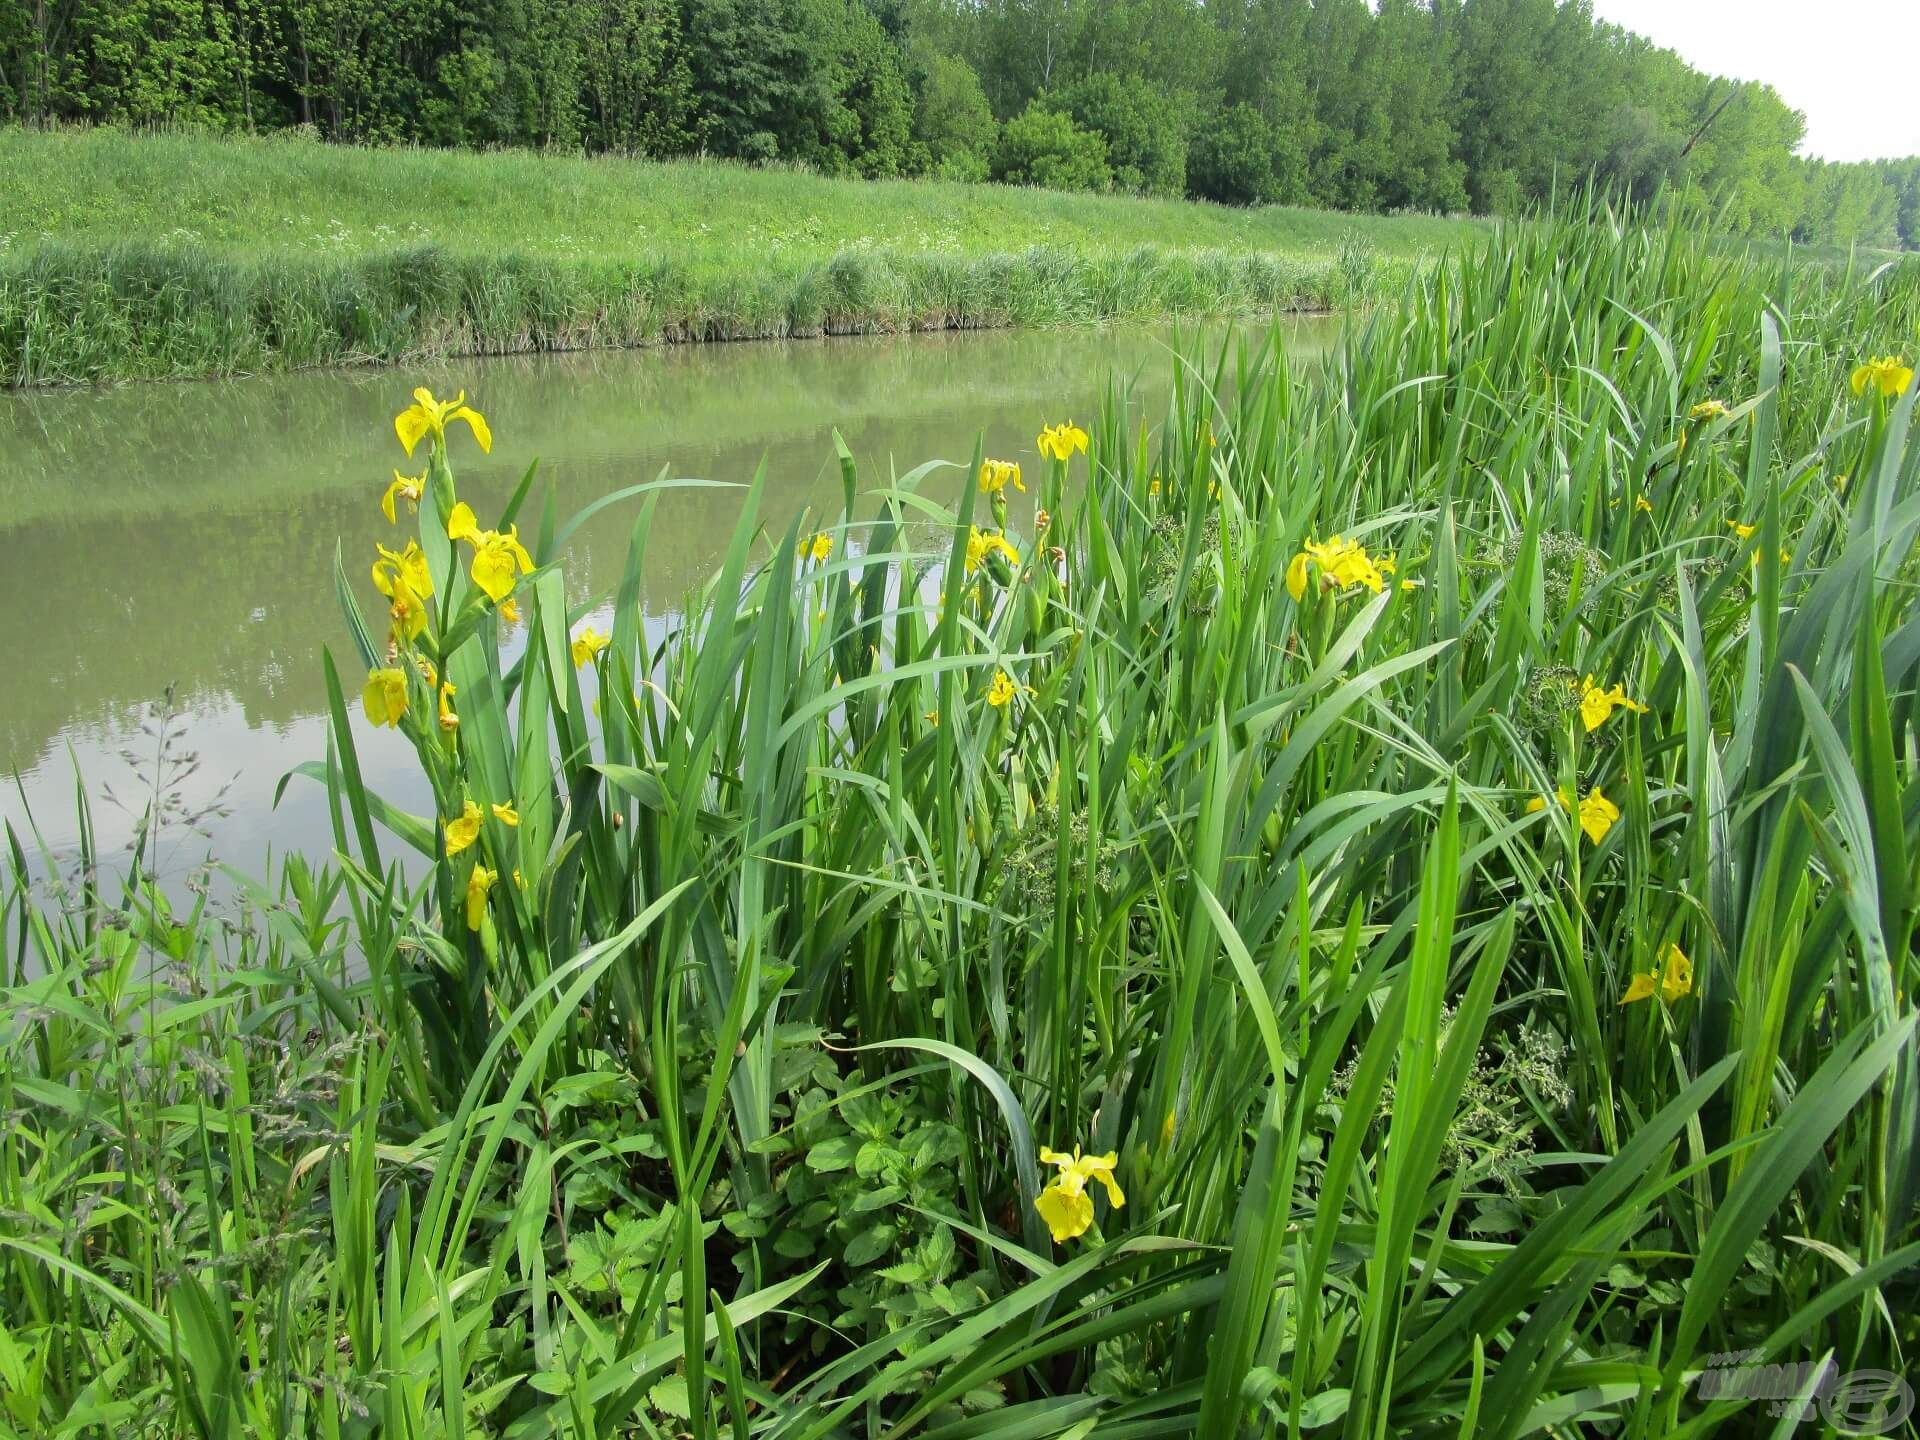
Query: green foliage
point(1145, 131)
point(1043, 146)
point(1400, 105)
point(685, 1067)
point(952, 118)
point(1233, 158)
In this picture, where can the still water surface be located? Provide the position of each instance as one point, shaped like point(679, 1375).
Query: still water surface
point(183, 535)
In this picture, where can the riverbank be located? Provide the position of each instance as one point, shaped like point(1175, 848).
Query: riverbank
point(173, 256)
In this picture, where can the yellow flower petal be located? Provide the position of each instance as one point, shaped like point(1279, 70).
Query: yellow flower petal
point(385, 697)
point(461, 524)
point(465, 830)
point(411, 425)
point(587, 644)
point(478, 884)
point(1676, 973)
point(1597, 815)
point(477, 423)
point(1638, 988)
point(1068, 1213)
point(1297, 576)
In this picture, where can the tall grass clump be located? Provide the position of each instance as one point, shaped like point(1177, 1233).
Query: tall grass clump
point(165, 310)
point(1386, 909)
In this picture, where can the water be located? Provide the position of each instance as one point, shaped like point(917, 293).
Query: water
point(183, 536)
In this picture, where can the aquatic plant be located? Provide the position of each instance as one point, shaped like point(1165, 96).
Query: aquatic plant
point(969, 988)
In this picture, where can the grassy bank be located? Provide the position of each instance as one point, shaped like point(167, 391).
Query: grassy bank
point(169, 255)
point(1477, 951)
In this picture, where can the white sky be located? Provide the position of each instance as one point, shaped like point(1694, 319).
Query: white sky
point(1851, 66)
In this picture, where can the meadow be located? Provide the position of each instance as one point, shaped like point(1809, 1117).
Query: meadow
point(279, 253)
point(1387, 910)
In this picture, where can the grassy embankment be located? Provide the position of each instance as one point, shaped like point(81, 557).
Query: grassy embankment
point(698, 1084)
point(175, 255)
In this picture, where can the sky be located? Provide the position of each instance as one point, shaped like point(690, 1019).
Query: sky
point(1852, 67)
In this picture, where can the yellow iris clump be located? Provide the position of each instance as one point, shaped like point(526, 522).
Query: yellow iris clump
point(1707, 410)
point(1065, 1204)
point(1673, 978)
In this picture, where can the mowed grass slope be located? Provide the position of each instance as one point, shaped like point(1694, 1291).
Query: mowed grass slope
point(151, 256)
point(285, 194)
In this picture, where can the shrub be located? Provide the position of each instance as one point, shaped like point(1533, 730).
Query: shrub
point(1145, 129)
point(1041, 146)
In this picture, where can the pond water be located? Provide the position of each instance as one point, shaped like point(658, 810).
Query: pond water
point(180, 538)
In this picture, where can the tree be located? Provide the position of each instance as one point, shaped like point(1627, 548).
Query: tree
point(952, 118)
point(1232, 158)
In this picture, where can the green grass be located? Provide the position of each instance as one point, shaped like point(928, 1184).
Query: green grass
point(719, 1112)
point(176, 255)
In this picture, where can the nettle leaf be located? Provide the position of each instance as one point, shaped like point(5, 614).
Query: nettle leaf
point(670, 1397)
point(743, 1226)
point(834, 1154)
point(793, 1244)
point(937, 1254)
point(877, 1199)
point(870, 1244)
point(907, 1272)
point(876, 1156)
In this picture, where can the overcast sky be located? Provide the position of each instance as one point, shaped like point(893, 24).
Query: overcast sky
point(1851, 66)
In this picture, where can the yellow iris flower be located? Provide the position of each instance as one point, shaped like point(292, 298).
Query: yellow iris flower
point(996, 475)
point(1065, 1204)
point(1060, 441)
point(405, 487)
point(1707, 410)
point(1743, 532)
point(1596, 813)
point(1342, 564)
point(408, 568)
point(428, 416)
point(1889, 374)
point(1001, 689)
point(819, 547)
point(385, 696)
point(496, 557)
point(478, 884)
point(1598, 704)
point(981, 546)
point(587, 644)
point(464, 831)
point(1673, 978)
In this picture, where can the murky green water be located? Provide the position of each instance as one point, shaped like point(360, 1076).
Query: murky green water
point(184, 535)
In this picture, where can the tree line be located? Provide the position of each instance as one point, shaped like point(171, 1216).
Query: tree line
point(1439, 105)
